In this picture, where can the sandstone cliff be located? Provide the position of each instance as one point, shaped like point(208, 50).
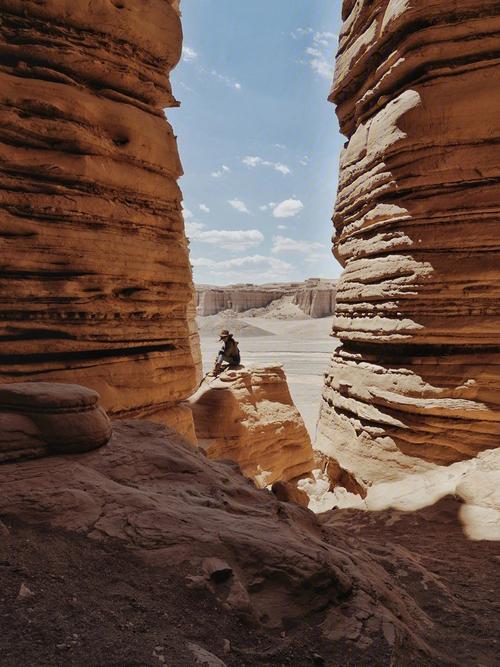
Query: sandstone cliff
point(315, 297)
point(95, 281)
point(416, 379)
point(247, 415)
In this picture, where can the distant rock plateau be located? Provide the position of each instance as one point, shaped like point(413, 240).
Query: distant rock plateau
point(314, 297)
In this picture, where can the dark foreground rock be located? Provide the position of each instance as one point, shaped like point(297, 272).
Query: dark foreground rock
point(134, 553)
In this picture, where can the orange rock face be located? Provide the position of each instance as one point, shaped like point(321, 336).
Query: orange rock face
point(416, 379)
point(248, 416)
point(95, 282)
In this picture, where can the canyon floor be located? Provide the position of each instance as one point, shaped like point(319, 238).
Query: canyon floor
point(302, 346)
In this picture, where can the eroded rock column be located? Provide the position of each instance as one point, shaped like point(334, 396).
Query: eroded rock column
point(416, 379)
point(95, 282)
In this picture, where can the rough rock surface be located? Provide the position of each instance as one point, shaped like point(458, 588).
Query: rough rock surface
point(416, 379)
point(247, 415)
point(170, 531)
point(315, 297)
point(95, 281)
point(41, 418)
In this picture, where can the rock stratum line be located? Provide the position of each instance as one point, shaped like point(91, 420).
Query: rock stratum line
point(416, 379)
point(94, 265)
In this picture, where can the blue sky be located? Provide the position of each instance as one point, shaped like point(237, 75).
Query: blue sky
point(258, 140)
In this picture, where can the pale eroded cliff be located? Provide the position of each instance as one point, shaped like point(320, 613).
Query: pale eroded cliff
point(315, 297)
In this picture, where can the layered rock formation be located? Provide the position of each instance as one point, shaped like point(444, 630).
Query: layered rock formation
point(42, 418)
point(95, 281)
point(315, 297)
point(416, 380)
point(248, 416)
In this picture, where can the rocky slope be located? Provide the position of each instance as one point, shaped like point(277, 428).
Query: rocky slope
point(148, 547)
point(416, 380)
point(247, 415)
point(95, 281)
point(315, 297)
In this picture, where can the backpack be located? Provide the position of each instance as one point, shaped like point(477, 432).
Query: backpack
point(233, 351)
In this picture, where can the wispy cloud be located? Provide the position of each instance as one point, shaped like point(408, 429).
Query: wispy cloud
point(230, 239)
point(301, 32)
point(285, 244)
point(320, 52)
point(204, 208)
point(288, 208)
point(230, 83)
point(220, 172)
point(253, 263)
point(238, 205)
point(188, 54)
point(256, 161)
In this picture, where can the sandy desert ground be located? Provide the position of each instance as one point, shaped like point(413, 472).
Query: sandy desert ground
point(303, 347)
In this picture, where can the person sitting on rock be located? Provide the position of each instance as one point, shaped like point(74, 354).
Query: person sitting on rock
point(228, 353)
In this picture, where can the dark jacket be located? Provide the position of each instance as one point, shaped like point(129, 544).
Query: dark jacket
point(230, 351)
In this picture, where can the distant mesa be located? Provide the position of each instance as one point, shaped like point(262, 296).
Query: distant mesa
point(314, 297)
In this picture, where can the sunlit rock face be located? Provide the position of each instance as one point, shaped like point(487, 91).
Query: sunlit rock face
point(415, 381)
point(95, 282)
point(247, 415)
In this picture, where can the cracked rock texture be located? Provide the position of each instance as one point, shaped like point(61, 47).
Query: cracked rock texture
point(95, 281)
point(247, 415)
point(112, 527)
point(415, 381)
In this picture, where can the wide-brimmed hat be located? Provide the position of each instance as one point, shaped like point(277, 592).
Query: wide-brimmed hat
point(223, 334)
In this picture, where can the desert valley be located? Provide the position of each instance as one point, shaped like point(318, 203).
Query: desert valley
point(334, 498)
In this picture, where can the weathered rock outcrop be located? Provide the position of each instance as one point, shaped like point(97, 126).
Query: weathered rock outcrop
point(315, 297)
point(95, 280)
point(416, 379)
point(141, 536)
point(247, 415)
point(41, 418)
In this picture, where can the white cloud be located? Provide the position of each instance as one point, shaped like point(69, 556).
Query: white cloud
point(220, 172)
point(187, 214)
point(320, 53)
point(282, 168)
point(204, 208)
point(254, 262)
point(285, 244)
point(238, 205)
point(305, 161)
point(282, 227)
point(188, 54)
point(264, 207)
point(230, 239)
point(256, 161)
point(279, 146)
point(288, 208)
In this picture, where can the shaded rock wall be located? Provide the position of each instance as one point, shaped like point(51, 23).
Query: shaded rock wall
point(248, 416)
point(315, 297)
point(95, 281)
point(416, 379)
